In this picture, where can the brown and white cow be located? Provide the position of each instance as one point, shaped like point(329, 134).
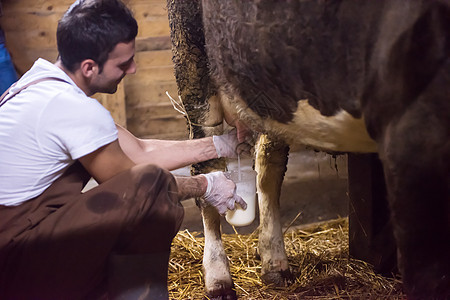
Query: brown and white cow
point(348, 76)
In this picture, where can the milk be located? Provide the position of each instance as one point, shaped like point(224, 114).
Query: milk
point(245, 180)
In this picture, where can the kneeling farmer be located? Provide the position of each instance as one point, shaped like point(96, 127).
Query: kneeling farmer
point(59, 243)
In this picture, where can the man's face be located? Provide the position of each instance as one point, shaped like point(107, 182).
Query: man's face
point(120, 63)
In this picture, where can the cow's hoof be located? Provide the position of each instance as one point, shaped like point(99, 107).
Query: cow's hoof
point(282, 278)
point(229, 294)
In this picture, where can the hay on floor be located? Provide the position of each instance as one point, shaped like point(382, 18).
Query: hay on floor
point(318, 257)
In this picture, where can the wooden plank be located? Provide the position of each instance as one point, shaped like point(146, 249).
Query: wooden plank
point(152, 18)
point(152, 110)
point(136, 2)
point(63, 5)
point(152, 7)
point(146, 75)
point(149, 86)
point(26, 47)
point(24, 22)
point(157, 58)
point(24, 52)
point(153, 43)
point(147, 11)
point(44, 27)
point(36, 5)
point(40, 21)
point(153, 92)
point(31, 40)
point(157, 125)
point(153, 28)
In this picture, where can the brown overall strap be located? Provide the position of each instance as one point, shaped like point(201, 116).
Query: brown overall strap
point(4, 97)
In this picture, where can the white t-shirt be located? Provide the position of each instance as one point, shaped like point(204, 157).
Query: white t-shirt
point(44, 129)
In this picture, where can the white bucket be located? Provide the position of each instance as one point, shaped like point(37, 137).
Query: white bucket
point(246, 188)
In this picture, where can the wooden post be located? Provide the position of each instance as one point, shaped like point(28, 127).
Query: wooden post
point(370, 231)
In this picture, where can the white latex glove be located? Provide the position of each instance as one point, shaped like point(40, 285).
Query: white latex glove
point(221, 193)
point(227, 145)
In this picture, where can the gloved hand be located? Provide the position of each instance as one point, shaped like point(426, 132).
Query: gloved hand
point(227, 145)
point(221, 193)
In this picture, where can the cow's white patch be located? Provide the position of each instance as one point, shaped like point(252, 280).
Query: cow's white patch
point(341, 132)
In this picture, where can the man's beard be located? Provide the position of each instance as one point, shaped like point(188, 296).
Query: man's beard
point(109, 89)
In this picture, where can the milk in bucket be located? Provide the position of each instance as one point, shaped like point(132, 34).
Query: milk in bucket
point(245, 180)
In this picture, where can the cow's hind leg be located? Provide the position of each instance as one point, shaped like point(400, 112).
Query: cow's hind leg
point(416, 155)
point(271, 161)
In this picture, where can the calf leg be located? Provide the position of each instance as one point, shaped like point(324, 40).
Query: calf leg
point(271, 161)
point(416, 156)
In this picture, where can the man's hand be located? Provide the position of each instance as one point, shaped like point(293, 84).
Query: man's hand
point(221, 193)
point(228, 145)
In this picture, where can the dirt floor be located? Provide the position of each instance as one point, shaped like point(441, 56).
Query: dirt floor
point(314, 188)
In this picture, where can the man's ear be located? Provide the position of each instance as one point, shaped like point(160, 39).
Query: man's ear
point(89, 68)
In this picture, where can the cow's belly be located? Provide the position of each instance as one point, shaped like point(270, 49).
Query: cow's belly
point(340, 133)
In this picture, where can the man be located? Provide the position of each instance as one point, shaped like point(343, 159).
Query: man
point(59, 243)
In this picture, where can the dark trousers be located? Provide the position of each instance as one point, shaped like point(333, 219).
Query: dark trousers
point(57, 246)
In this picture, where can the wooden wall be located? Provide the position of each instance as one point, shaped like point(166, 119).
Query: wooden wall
point(140, 102)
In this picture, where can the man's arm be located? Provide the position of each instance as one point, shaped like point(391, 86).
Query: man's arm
point(169, 155)
point(216, 188)
point(110, 160)
point(190, 187)
point(106, 162)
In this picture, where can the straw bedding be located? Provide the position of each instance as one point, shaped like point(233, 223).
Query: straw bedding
point(318, 256)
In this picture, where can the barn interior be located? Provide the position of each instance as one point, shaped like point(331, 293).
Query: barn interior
point(142, 106)
point(315, 188)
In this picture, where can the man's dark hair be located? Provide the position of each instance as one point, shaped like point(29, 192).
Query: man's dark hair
point(91, 29)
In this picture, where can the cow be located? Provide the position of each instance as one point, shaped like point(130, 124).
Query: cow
point(346, 76)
